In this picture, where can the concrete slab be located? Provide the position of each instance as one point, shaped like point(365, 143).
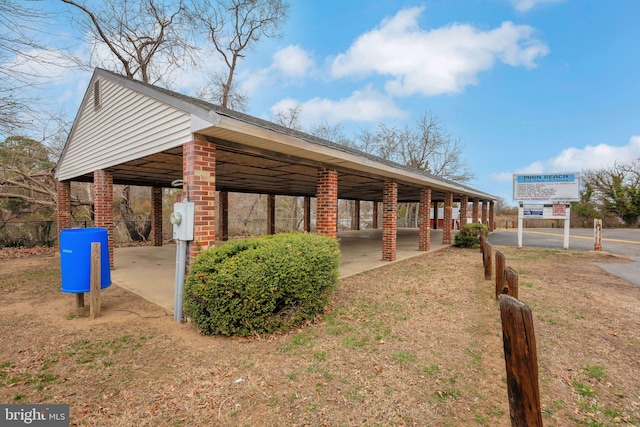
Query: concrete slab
point(149, 271)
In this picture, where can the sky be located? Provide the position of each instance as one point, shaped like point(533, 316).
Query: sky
point(528, 86)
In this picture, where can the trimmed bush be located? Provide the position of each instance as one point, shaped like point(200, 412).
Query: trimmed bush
point(469, 235)
point(262, 284)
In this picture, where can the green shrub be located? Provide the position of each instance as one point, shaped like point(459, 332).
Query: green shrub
point(469, 235)
point(263, 284)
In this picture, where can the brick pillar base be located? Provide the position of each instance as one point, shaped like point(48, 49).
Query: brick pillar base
point(425, 220)
point(199, 169)
point(389, 221)
point(448, 219)
point(63, 207)
point(156, 216)
point(103, 205)
point(327, 209)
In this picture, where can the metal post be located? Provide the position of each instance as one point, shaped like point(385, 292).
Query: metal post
point(181, 256)
point(520, 224)
point(567, 226)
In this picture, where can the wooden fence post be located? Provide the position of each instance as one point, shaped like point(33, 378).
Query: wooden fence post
point(79, 300)
point(501, 262)
point(510, 282)
point(483, 240)
point(94, 296)
point(521, 362)
point(487, 260)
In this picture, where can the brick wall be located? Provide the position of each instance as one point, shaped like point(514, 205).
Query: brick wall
point(425, 220)
point(199, 169)
point(156, 216)
point(327, 209)
point(103, 205)
point(389, 221)
point(448, 217)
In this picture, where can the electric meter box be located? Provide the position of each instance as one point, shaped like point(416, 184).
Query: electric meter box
point(182, 219)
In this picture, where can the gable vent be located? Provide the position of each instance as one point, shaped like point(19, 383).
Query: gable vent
point(96, 95)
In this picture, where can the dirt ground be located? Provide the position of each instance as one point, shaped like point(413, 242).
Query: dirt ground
point(416, 343)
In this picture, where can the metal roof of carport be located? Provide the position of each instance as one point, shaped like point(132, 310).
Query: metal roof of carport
point(257, 156)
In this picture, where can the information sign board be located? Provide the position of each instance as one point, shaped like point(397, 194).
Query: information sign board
point(550, 187)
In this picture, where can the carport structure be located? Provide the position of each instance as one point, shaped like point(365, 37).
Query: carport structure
point(131, 133)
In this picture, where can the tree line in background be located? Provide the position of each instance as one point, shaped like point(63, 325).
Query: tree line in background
point(153, 41)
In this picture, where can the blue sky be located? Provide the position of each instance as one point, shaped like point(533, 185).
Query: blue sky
point(526, 85)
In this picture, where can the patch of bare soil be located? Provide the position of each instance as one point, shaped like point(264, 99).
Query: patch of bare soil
point(415, 343)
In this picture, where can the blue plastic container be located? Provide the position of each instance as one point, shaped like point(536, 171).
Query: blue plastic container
point(75, 258)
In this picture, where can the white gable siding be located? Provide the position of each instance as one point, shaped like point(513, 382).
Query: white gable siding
point(127, 126)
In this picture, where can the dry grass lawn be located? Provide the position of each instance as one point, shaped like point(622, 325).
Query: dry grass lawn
point(416, 343)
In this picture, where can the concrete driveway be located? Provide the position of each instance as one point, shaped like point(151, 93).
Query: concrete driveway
point(625, 242)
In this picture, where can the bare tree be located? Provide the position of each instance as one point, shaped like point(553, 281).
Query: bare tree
point(21, 50)
point(144, 38)
point(234, 27)
point(615, 191)
point(428, 147)
point(289, 117)
point(212, 91)
point(332, 133)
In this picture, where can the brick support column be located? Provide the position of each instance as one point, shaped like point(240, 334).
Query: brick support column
point(425, 220)
point(448, 219)
point(327, 209)
point(224, 215)
point(491, 215)
point(63, 207)
point(474, 210)
point(375, 215)
point(435, 215)
point(271, 214)
point(156, 216)
point(103, 205)
point(307, 214)
point(355, 223)
point(464, 205)
point(389, 221)
point(485, 218)
point(199, 169)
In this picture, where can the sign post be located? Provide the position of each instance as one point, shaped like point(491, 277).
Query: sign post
point(549, 196)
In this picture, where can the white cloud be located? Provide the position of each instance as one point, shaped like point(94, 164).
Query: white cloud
point(438, 61)
point(292, 62)
point(366, 105)
point(527, 5)
point(590, 157)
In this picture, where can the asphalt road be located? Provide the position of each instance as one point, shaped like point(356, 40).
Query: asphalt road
point(624, 242)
